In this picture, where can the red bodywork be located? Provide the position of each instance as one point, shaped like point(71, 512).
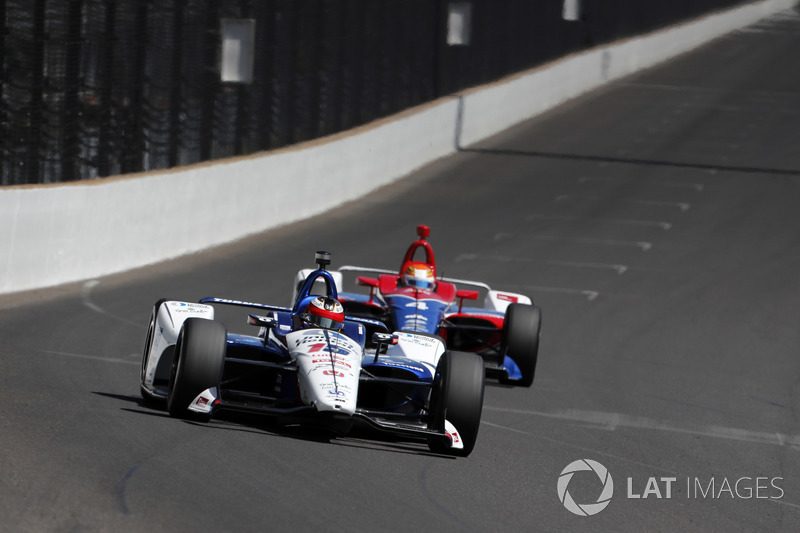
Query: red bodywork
point(389, 285)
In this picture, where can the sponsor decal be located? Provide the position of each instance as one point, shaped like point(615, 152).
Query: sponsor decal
point(313, 336)
point(184, 307)
point(340, 386)
point(322, 346)
point(507, 298)
point(427, 342)
point(334, 360)
point(403, 365)
point(333, 373)
point(454, 437)
point(237, 302)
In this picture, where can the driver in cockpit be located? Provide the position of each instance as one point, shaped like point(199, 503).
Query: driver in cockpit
point(320, 312)
point(418, 275)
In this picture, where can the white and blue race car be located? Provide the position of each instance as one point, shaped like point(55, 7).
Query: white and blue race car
point(406, 384)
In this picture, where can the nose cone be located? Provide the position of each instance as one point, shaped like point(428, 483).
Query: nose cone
point(336, 402)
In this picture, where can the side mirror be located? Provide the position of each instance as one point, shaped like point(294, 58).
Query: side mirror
point(465, 295)
point(372, 283)
point(263, 321)
point(367, 282)
point(469, 295)
point(384, 338)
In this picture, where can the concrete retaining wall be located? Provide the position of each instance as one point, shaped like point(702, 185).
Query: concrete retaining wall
point(63, 233)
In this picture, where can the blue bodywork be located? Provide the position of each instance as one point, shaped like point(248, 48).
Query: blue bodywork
point(412, 377)
point(416, 314)
point(423, 314)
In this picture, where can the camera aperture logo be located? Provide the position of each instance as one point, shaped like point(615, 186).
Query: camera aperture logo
point(585, 509)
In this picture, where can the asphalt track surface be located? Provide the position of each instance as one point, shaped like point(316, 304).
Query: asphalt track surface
point(655, 222)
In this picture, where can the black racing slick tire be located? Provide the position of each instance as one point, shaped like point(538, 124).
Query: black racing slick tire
point(457, 396)
point(196, 365)
point(521, 332)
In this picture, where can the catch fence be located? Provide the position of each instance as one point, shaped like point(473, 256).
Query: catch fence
point(94, 88)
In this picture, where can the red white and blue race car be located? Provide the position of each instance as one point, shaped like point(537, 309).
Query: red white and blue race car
point(308, 365)
point(504, 332)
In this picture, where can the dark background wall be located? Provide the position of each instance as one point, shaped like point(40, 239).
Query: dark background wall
point(94, 88)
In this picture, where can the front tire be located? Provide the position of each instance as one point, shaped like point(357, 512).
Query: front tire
point(521, 331)
point(458, 397)
point(196, 365)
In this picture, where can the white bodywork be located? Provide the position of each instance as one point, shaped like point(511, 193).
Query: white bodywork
point(166, 328)
point(453, 435)
point(328, 369)
point(204, 403)
point(500, 300)
point(418, 348)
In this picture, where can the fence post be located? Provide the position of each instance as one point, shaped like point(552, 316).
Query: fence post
point(175, 85)
point(134, 149)
point(35, 107)
point(4, 162)
point(70, 155)
point(107, 77)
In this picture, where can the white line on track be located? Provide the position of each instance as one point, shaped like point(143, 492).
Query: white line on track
point(613, 421)
point(589, 294)
point(699, 187)
point(93, 357)
point(781, 502)
point(642, 245)
point(582, 448)
point(658, 223)
point(619, 269)
point(86, 292)
point(683, 206)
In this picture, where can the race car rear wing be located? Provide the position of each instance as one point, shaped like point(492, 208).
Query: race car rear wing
point(350, 268)
point(211, 300)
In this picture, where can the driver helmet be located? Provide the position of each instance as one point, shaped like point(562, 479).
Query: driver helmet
point(323, 312)
point(419, 275)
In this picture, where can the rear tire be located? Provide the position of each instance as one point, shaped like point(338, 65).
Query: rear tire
point(457, 396)
point(521, 331)
point(196, 365)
